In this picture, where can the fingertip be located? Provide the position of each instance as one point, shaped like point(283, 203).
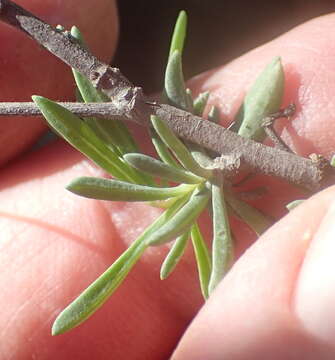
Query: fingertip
point(254, 301)
point(315, 290)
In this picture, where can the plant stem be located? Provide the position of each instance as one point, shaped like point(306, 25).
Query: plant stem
point(130, 104)
point(102, 110)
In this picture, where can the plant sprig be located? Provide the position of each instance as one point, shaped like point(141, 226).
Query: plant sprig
point(138, 177)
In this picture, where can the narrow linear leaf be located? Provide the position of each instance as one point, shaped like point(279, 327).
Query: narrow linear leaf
point(214, 115)
point(104, 286)
point(155, 167)
point(203, 259)
point(174, 84)
point(183, 219)
point(163, 204)
point(178, 148)
point(189, 100)
point(200, 103)
point(99, 291)
point(162, 150)
point(88, 92)
point(264, 98)
point(79, 98)
point(332, 161)
point(222, 245)
point(174, 255)
point(179, 33)
point(199, 154)
point(83, 138)
point(293, 204)
point(115, 190)
point(251, 216)
point(112, 131)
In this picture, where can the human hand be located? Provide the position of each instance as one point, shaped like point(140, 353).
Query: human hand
point(55, 244)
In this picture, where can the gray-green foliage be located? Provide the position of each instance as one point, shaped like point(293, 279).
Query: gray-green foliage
point(263, 98)
point(139, 177)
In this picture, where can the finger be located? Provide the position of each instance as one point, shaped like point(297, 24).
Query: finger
point(307, 83)
point(54, 244)
point(28, 69)
point(266, 307)
point(307, 56)
point(277, 300)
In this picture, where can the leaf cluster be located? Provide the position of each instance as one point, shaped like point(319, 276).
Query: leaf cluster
point(182, 180)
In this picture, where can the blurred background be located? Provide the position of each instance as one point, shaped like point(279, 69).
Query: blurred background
point(218, 31)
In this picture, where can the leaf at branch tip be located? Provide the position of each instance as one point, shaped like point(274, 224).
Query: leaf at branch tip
point(293, 204)
point(200, 103)
point(179, 33)
point(264, 98)
point(174, 255)
point(203, 259)
point(114, 190)
point(214, 115)
point(82, 137)
point(111, 131)
point(102, 288)
point(222, 245)
point(250, 215)
point(183, 219)
point(174, 84)
point(178, 148)
point(155, 167)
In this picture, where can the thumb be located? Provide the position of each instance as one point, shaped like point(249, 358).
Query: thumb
point(277, 301)
point(315, 291)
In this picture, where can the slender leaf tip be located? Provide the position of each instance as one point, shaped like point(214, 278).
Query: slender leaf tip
point(179, 33)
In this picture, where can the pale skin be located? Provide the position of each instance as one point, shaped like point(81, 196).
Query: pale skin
point(276, 302)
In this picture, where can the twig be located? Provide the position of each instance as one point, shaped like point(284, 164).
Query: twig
point(270, 131)
point(128, 98)
point(130, 104)
point(102, 110)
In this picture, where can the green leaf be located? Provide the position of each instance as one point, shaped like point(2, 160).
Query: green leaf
point(178, 148)
point(114, 190)
point(264, 98)
point(214, 115)
point(174, 255)
point(102, 288)
point(155, 167)
point(222, 245)
point(111, 131)
point(174, 84)
point(200, 103)
point(162, 150)
point(293, 204)
point(332, 161)
point(82, 137)
point(203, 259)
point(99, 291)
point(183, 219)
point(251, 216)
point(179, 33)
point(189, 100)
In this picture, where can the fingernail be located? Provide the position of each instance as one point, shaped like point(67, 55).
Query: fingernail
point(314, 300)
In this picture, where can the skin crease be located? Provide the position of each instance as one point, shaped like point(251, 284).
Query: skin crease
point(47, 256)
point(21, 76)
